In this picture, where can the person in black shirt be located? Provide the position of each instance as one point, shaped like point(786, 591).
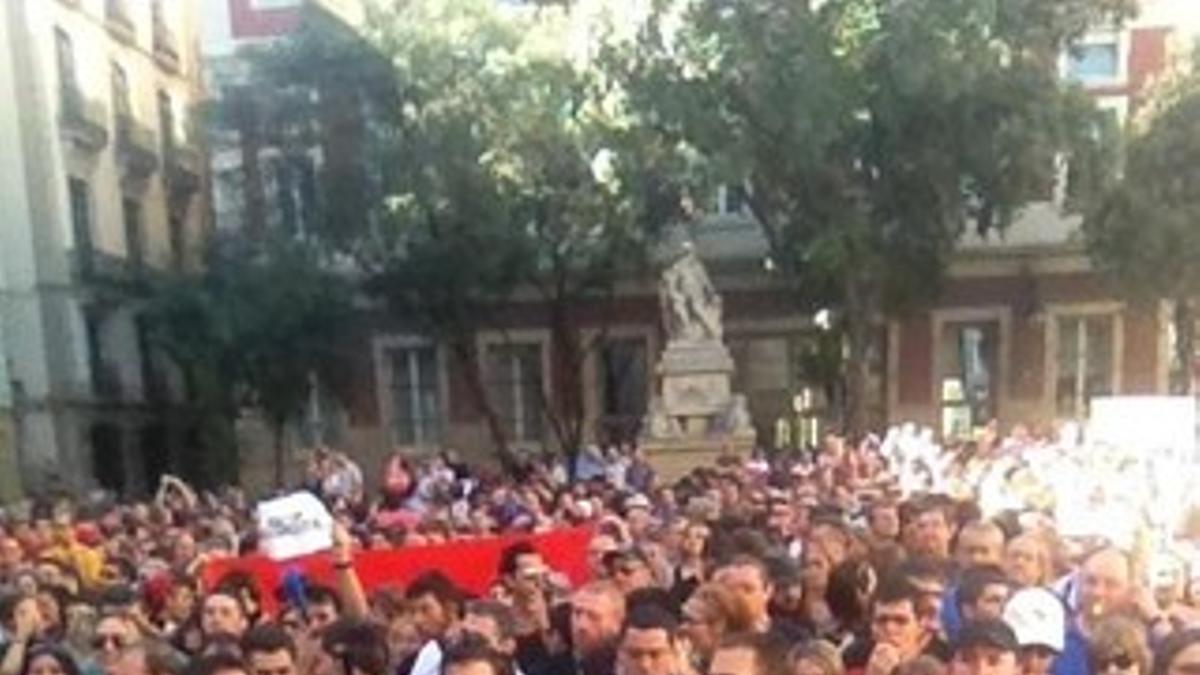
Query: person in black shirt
point(897, 634)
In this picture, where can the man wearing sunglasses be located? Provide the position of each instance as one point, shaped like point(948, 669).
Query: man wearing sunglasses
point(114, 634)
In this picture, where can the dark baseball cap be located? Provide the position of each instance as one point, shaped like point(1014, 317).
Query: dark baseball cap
point(992, 633)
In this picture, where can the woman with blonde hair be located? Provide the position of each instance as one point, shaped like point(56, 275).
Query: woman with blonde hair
point(712, 612)
point(816, 657)
point(1118, 646)
point(1027, 560)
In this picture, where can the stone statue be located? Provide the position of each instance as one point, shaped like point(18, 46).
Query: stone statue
point(737, 420)
point(658, 423)
point(690, 305)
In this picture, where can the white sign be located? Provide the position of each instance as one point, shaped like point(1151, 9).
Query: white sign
point(295, 525)
point(1144, 424)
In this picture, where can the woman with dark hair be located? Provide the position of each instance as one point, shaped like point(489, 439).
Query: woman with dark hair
point(692, 568)
point(52, 604)
point(46, 659)
point(1179, 654)
point(816, 572)
point(848, 594)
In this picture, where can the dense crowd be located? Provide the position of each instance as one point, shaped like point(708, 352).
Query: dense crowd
point(885, 557)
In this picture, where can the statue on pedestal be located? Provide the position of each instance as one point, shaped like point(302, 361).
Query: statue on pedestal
point(691, 307)
point(695, 417)
point(658, 423)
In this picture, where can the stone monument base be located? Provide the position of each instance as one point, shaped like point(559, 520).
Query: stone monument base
point(674, 458)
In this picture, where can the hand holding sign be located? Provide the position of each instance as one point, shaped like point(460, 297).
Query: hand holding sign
point(293, 526)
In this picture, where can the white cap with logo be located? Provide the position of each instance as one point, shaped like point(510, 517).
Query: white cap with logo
point(1038, 618)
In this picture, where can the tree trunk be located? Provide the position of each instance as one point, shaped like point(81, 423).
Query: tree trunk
point(858, 374)
point(474, 381)
point(566, 406)
point(1185, 347)
point(859, 331)
point(253, 191)
point(279, 451)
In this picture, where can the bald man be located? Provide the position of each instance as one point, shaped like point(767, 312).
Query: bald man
point(979, 543)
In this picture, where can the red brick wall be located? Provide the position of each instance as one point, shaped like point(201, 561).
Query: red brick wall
point(247, 22)
point(914, 365)
point(1140, 368)
point(1147, 59)
point(1027, 358)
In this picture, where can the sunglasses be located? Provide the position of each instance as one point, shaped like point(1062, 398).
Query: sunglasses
point(102, 641)
point(892, 619)
point(1121, 661)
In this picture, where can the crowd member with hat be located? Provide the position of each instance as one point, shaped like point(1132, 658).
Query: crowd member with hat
point(986, 647)
point(1038, 619)
point(746, 557)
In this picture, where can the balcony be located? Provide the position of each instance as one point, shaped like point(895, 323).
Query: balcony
point(100, 269)
point(83, 120)
point(184, 166)
point(106, 382)
point(120, 21)
point(166, 46)
point(136, 148)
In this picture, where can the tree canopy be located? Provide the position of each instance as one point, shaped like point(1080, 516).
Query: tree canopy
point(254, 326)
point(1143, 230)
point(870, 135)
point(513, 172)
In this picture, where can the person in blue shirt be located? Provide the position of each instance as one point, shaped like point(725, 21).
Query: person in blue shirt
point(979, 543)
point(1106, 586)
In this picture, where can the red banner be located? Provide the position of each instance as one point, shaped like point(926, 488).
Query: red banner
point(472, 565)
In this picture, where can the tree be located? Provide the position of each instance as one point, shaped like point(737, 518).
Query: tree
point(513, 173)
point(870, 134)
point(1143, 231)
point(254, 326)
point(321, 88)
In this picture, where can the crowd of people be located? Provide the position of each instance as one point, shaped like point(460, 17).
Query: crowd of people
point(872, 558)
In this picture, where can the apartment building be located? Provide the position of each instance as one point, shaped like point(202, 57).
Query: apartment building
point(1027, 331)
point(102, 184)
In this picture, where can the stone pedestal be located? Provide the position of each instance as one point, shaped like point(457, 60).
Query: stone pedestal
point(695, 378)
point(673, 459)
point(698, 418)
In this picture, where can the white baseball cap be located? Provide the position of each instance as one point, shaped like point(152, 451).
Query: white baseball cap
point(1037, 617)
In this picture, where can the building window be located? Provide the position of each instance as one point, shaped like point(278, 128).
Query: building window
point(81, 221)
point(152, 386)
point(1085, 363)
point(94, 341)
point(733, 199)
point(623, 381)
point(416, 395)
point(515, 388)
point(65, 52)
point(166, 120)
point(292, 179)
point(1092, 62)
point(120, 92)
point(177, 237)
point(134, 240)
point(969, 378)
